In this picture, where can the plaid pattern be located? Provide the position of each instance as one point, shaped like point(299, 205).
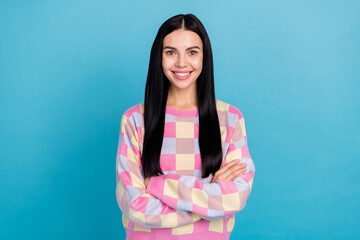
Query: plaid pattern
point(181, 201)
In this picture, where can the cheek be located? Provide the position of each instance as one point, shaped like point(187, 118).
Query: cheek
point(197, 63)
point(166, 64)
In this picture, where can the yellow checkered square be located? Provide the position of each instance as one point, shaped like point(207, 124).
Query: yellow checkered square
point(135, 140)
point(169, 220)
point(120, 188)
point(199, 198)
point(184, 229)
point(142, 107)
point(223, 131)
point(230, 224)
point(171, 188)
point(137, 216)
point(242, 124)
point(136, 181)
point(184, 129)
point(142, 229)
point(142, 134)
point(222, 106)
point(216, 225)
point(234, 154)
point(231, 201)
point(185, 161)
point(251, 183)
point(131, 156)
point(125, 220)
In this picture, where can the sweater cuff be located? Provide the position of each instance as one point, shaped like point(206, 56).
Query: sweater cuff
point(155, 186)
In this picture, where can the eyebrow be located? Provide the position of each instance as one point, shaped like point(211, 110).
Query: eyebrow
point(186, 49)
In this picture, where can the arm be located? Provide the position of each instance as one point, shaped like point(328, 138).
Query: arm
point(140, 207)
point(209, 200)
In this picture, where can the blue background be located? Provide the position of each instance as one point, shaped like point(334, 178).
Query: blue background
point(69, 70)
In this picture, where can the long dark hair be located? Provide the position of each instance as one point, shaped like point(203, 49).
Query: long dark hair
point(156, 93)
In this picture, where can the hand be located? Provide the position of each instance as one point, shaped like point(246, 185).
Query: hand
point(229, 172)
point(146, 181)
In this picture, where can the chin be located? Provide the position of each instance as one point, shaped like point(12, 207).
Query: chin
point(183, 85)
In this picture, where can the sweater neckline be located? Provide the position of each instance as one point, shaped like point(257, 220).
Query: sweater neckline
point(182, 113)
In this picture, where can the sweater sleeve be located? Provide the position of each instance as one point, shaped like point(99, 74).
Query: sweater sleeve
point(140, 207)
point(210, 200)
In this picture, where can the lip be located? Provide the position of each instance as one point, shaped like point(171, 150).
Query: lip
point(182, 71)
point(181, 77)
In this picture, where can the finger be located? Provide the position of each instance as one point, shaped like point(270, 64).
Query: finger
point(223, 169)
point(237, 174)
point(227, 175)
point(226, 166)
point(234, 163)
point(235, 177)
point(238, 167)
point(231, 162)
point(240, 173)
point(233, 171)
point(230, 177)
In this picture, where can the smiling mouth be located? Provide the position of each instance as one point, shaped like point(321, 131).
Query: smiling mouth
point(182, 74)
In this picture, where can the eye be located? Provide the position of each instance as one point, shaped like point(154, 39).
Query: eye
point(191, 52)
point(169, 52)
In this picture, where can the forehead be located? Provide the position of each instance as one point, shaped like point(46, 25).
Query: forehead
point(182, 38)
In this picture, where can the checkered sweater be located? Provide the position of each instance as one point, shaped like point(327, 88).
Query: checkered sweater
point(180, 204)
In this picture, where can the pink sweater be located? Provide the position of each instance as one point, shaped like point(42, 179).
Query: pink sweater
point(180, 204)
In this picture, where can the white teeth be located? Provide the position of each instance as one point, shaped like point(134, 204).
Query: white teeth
point(182, 74)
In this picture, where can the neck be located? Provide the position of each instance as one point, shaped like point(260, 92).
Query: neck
point(182, 99)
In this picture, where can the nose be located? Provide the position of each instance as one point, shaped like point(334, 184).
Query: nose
point(181, 60)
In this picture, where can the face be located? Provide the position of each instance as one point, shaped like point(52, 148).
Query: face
point(182, 58)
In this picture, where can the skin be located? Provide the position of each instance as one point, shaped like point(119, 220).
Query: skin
point(228, 172)
point(183, 51)
point(182, 93)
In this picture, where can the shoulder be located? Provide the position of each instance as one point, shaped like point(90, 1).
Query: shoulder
point(135, 109)
point(234, 119)
point(228, 109)
point(133, 115)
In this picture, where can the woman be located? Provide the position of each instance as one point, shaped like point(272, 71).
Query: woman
point(183, 167)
